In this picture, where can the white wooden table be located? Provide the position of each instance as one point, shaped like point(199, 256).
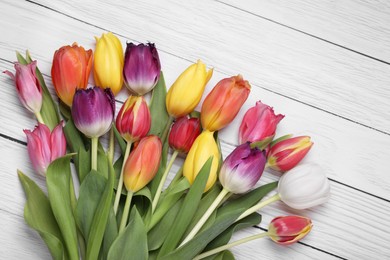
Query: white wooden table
point(324, 64)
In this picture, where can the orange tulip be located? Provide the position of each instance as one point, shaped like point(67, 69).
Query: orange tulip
point(70, 71)
point(223, 103)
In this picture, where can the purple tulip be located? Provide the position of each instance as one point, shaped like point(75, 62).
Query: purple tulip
point(242, 169)
point(142, 68)
point(44, 147)
point(27, 85)
point(93, 111)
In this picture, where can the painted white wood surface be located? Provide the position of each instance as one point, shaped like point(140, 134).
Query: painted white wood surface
point(337, 96)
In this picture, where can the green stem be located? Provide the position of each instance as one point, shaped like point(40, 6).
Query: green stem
point(111, 148)
point(39, 117)
point(120, 183)
point(258, 206)
point(166, 130)
point(94, 153)
point(230, 245)
point(126, 210)
point(163, 179)
point(205, 216)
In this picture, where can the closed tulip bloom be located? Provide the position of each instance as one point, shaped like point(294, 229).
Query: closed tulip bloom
point(185, 94)
point(142, 164)
point(286, 154)
point(27, 85)
point(133, 120)
point(142, 68)
point(108, 62)
point(70, 71)
point(287, 230)
point(93, 111)
point(242, 169)
point(183, 134)
point(223, 103)
point(259, 124)
point(44, 147)
point(304, 186)
point(202, 149)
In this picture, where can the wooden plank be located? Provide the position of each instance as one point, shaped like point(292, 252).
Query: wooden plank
point(361, 26)
point(269, 55)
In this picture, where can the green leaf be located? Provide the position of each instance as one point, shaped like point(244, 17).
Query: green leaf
point(39, 216)
point(157, 107)
point(224, 255)
point(83, 163)
point(110, 234)
point(187, 211)
point(132, 241)
point(100, 218)
point(121, 141)
point(65, 111)
point(58, 186)
point(74, 138)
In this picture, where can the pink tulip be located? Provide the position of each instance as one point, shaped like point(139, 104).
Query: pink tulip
point(289, 229)
point(44, 147)
point(259, 124)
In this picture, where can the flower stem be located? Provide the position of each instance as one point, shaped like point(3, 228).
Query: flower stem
point(166, 130)
point(205, 216)
point(230, 245)
point(120, 183)
point(178, 175)
point(258, 206)
point(39, 117)
point(163, 179)
point(126, 210)
point(111, 148)
point(94, 153)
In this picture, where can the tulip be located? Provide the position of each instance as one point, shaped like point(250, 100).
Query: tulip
point(202, 149)
point(185, 94)
point(242, 169)
point(259, 124)
point(70, 71)
point(108, 62)
point(287, 230)
point(142, 68)
point(304, 186)
point(44, 147)
point(133, 120)
point(27, 86)
point(93, 111)
point(183, 134)
point(286, 154)
point(142, 164)
point(223, 103)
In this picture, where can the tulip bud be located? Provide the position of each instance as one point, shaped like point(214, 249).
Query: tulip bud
point(286, 154)
point(27, 85)
point(185, 94)
point(70, 71)
point(242, 169)
point(202, 149)
point(142, 68)
point(142, 164)
point(93, 111)
point(133, 120)
point(108, 63)
point(289, 229)
point(223, 103)
point(44, 147)
point(183, 134)
point(259, 124)
point(304, 186)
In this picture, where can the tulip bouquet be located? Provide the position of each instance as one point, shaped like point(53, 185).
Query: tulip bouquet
point(109, 190)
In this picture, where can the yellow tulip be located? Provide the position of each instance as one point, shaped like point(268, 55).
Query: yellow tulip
point(108, 62)
point(185, 94)
point(201, 150)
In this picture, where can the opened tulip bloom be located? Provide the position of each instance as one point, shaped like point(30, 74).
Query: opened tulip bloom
point(44, 147)
point(28, 87)
point(70, 71)
point(183, 134)
point(186, 92)
point(286, 154)
point(108, 62)
point(287, 230)
point(142, 68)
point(259, 124)
point(224, 102)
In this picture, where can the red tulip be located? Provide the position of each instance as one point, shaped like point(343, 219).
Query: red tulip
point(289, 229)
point(183, 134)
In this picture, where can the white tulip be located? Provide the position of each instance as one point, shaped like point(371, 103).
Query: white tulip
point(304, 186)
